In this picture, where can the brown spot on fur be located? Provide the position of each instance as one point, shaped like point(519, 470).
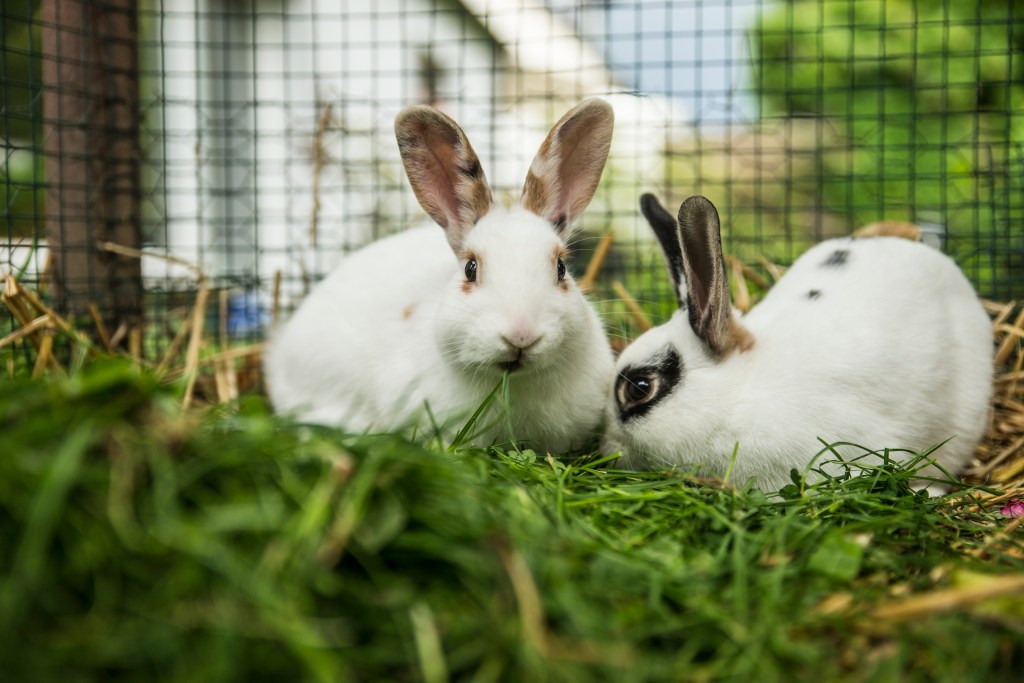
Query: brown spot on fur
point(887, 228)
point(735, 337)
point(476, 195)
point(535, 191)
point(743, 339)
point(408, 311)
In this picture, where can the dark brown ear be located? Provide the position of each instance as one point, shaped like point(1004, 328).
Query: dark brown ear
point(707, 288)
point(568, 166)
point(667, 232)
point(443, 170)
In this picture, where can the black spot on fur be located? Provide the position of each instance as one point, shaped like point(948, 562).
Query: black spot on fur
point(665, 372)
point(813, 294)
point(837, 258)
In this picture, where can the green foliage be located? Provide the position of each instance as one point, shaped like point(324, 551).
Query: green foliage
point(139, 542)
point(21, 70)
point(22, 192)
point(21, 173)
point(925, 97)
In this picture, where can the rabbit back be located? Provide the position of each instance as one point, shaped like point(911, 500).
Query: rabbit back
point(360, 351)
point(881, 342)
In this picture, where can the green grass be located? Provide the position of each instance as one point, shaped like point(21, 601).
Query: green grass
point(139, 542)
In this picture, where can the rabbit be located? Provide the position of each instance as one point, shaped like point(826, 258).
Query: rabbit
point(418, 328)
point(878, 342)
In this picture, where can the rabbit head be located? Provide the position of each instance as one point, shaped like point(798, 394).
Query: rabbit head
point(512, 303)
point(684, 361)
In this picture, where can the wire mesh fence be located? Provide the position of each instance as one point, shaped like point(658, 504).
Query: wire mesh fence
point(153, 149)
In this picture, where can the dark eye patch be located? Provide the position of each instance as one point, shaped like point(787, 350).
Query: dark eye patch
point(640, 388)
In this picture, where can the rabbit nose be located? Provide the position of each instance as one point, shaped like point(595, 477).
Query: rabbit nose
point(521, 339)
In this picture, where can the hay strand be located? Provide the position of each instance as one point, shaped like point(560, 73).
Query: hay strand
point(890, 228)
point(740, 293)
point(320, 158)
point(175, 347)
point(1014, 334)
point(1001, 454)
point(131, 252)
point(597, 261)
point(135, 343)
point(752, 275)
point(774, 269)
point(195, 340)
point(948, 600)
point(101, 328)
point(635, 311)
point(24, 331)
point(275, 311)
point(45, 351)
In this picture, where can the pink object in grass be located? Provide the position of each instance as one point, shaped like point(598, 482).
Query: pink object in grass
point(1013, 508)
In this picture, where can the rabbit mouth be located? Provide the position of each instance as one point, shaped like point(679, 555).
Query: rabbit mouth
point(512, 365)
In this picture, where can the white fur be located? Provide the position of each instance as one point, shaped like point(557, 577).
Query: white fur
point(400, 335)
point(896, 352)
point(391, 330)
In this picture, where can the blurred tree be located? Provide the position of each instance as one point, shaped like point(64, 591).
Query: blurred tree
point(21, 173)
point(928, 96)
point(92, 148)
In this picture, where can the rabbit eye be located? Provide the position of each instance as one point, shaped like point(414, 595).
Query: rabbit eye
point(636, 389)
point(471, 270)
point(640, 388)
point(560, 266)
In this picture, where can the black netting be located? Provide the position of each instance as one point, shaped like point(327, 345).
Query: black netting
point(252, 141)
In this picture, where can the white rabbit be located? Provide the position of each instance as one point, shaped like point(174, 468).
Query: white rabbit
point(879, 342)
point(417, 330)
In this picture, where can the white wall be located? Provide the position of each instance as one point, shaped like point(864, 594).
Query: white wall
point(251, 96)
point(270, 86)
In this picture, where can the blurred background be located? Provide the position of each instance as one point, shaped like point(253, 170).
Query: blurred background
point(152, 149)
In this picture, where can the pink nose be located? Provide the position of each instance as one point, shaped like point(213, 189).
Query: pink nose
point(521, 339)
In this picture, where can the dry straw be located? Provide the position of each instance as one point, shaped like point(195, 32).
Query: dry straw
point(211, 374)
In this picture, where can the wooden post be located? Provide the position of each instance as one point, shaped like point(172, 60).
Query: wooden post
point(92, 147)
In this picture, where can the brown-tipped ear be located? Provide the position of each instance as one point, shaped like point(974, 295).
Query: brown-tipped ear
point(707, 288)
point(443, 170)
point(568, 166)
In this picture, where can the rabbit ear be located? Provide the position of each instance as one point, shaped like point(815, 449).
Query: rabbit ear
point(443, 170)
point(566, 170)
point(707, 288)
point(667, 232)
